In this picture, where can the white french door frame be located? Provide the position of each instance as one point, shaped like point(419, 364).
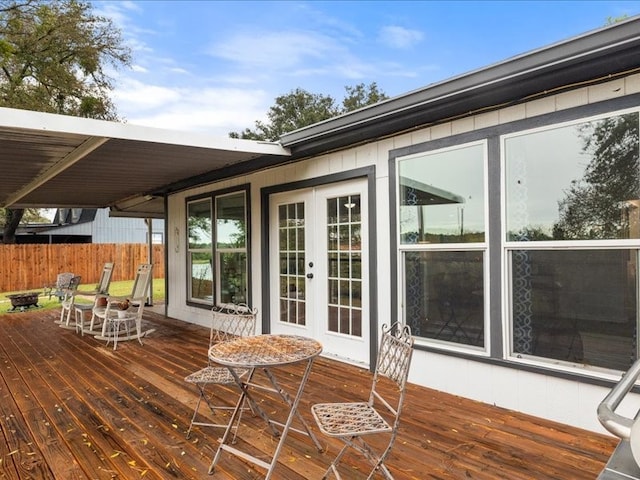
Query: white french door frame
point(366, 177)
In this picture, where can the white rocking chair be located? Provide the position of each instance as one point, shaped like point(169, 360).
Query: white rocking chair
point(67, 302)
point(101, 291)
point(122, 314)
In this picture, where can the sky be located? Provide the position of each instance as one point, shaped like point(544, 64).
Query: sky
point(218, 66)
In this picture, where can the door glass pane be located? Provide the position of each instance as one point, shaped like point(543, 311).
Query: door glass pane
point(444, 295)
point(291, 231)
point(344, 244)
point(576, 306)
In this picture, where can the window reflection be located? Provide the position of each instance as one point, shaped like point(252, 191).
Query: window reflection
point(574, 182)
point(199, 224)
point(201, 276)
point(218, 257)
point(230, 221)
point(442, 201)
point(442, 196)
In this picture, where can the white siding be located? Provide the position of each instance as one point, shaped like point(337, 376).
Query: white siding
point(105, 229)
point(564, 400)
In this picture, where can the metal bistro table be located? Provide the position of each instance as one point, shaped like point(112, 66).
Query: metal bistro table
point(264, 352)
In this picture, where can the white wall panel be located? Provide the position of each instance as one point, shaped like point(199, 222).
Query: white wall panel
point(632, 84)
point(478, 381)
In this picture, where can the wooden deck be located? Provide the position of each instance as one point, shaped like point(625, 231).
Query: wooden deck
point(71, 408)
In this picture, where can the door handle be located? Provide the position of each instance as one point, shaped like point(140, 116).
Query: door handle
point(309, 275)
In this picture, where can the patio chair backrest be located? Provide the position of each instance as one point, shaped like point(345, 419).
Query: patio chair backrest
point(74, 283)
point(69, 292)
point(140, 289)
point(63, 280)
point(105, 278)
point(62, 284)
point(232, 321)
point(394, 360)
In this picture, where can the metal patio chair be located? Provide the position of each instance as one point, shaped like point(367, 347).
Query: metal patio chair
point(100, 291)
point(67, 301)
point(117, 321)
point(352, 422)
point(57, 289)
point(227, 323)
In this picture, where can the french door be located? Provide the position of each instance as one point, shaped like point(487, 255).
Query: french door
point(319, 267)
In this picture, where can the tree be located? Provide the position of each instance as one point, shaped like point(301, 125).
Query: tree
point(52, 59)
point(361, 96)
point(594, 205)
point(30, 215)
point(300, 108)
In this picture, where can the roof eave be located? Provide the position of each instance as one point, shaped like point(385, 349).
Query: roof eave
point(605, 51)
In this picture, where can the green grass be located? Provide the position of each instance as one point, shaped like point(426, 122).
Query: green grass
point(122, 288)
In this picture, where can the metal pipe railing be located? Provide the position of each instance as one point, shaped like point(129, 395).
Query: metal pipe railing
point(615, 423)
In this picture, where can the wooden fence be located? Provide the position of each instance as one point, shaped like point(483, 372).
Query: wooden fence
point(30, 267)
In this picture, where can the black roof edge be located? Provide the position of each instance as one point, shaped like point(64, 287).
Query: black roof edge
point(241, 168)
point(593, 56)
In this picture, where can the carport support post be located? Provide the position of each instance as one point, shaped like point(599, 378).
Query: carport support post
point(149, 222)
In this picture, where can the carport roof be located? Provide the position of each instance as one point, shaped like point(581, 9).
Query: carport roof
point(61, 161)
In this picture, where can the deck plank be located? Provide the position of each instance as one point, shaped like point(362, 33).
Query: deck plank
point(15, 437)
point(73, 408)
point(40, 452)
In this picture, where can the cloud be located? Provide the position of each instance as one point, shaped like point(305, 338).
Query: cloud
point(399, 37)
point(277, 50)
point(228, 82)
point(190, 108)
point(137, 96)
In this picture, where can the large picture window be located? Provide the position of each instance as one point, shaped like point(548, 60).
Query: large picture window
point(572, 229)
point(442, 238)
point(218, 254)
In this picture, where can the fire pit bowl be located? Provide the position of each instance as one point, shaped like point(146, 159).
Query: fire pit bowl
point(24, 300)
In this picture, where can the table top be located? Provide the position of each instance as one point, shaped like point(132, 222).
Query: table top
point(264, 350)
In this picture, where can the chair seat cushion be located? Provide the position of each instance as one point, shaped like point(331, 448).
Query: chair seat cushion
point(211, 374)
point(346, 419)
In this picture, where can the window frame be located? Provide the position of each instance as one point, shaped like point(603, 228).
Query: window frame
point(191, 300)
point(509, 246)
point(218, 252)
point(495, 290)
point(403, 249)
point(214, 251)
